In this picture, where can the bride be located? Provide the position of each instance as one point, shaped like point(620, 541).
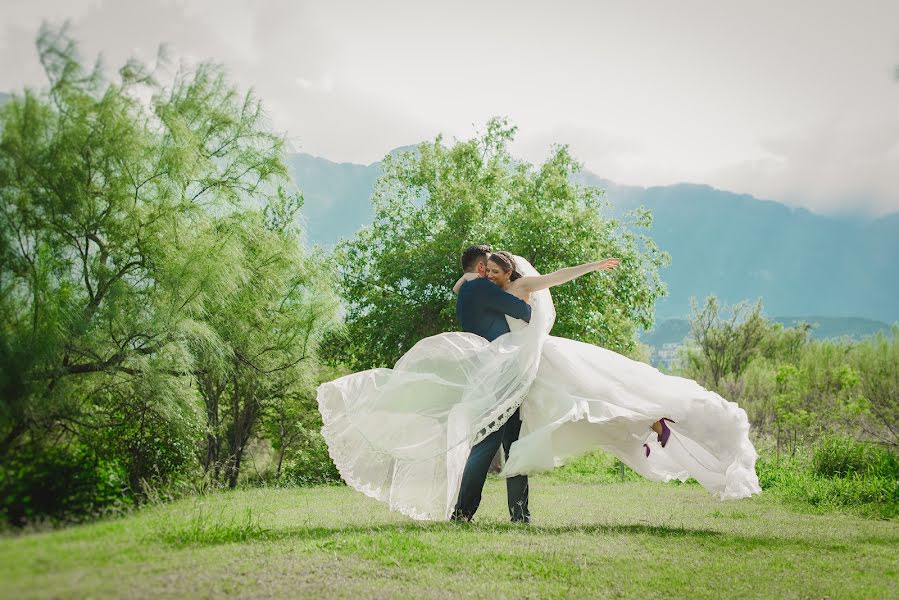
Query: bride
point(403, 435)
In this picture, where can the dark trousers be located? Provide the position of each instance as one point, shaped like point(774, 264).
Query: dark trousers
point(475, 474)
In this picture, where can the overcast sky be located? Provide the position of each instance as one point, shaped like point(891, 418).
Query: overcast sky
point(795, 101)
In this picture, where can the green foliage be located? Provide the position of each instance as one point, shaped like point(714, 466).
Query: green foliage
point(725, 339)
point(311, 464)
point(151, 264)
point(293, 424)
point(596, 466)
point(432, 203)
point(794, 480)
point(843, 456)
point(814, 398)
point(61, 485)
point(264, 368)
point(876, 362)
point(792, 387)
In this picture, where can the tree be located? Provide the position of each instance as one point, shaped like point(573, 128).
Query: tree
point(725, 339)
point(877, 362)
point(293, 420)
point(269, 329)
point(130, 211)
point(430, 204)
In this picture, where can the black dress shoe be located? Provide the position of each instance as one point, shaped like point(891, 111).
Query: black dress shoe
point(460, 517)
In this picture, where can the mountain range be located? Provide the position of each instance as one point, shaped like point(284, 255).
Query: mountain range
point(734, 246)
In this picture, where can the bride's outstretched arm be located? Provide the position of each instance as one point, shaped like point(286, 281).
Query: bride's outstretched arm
point(541, 282)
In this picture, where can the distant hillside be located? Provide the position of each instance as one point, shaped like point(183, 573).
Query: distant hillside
point(336, 196)
point(674, 331)
point(734, 246)
point(738, 247)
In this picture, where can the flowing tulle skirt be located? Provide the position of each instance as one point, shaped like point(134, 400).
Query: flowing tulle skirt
point(402, 435)
point(585, 397)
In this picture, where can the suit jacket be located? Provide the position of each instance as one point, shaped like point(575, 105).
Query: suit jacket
point(481, 308)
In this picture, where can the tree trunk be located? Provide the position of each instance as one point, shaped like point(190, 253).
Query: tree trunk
point(10, 438)
point(235, 470)
point(211, 391)
point(244, 420)
point(280, 459)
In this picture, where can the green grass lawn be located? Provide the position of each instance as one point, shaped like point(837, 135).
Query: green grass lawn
point(588, 540)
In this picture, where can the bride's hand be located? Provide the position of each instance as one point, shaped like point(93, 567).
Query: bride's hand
point(466, 277)
point(607, 264)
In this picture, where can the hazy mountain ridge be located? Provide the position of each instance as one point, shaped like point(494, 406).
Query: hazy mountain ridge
point(336, 195)
point(327, 185)
point(739, 247)
point(675, 331)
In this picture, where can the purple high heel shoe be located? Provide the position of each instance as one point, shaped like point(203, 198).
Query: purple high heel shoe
point(666, 433)
point(662, 437)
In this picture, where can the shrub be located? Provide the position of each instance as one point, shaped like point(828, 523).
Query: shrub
point(61, 485)
point(311, 464)
point(853, 491)
point(838, 475)
point(842, 456)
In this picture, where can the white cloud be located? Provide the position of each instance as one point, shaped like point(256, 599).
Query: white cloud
point(793, 101)
point(846, 164)
point(323, 85)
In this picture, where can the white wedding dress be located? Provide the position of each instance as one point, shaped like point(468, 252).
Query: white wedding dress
point(586, 397)
point(402, 435)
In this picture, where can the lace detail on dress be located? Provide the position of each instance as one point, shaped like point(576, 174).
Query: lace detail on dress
point(502, 414)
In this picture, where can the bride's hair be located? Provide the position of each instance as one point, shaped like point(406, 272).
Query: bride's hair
point(506, 262)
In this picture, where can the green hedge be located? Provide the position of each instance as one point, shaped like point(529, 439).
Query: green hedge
point(61, 485)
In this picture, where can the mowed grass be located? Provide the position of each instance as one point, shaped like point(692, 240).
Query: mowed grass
point(633, 539)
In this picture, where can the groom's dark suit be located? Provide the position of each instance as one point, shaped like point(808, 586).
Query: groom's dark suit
point(481, 308)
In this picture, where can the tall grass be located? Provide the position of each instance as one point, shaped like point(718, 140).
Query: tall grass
point(839, 473)
point(206, 529)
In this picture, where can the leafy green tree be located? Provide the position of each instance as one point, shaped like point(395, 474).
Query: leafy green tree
point(430, 204)
point(292, 421)
point(269, 329)
point(132, 213)
point(724, 340)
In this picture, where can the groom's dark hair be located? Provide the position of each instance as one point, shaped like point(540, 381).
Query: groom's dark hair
point(473, 254)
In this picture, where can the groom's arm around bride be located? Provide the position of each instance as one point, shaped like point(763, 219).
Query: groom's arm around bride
point(482, 308)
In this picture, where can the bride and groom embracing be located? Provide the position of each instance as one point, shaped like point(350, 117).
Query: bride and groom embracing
point(420, 436)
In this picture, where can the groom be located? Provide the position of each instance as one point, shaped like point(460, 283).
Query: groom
point(481, 308)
